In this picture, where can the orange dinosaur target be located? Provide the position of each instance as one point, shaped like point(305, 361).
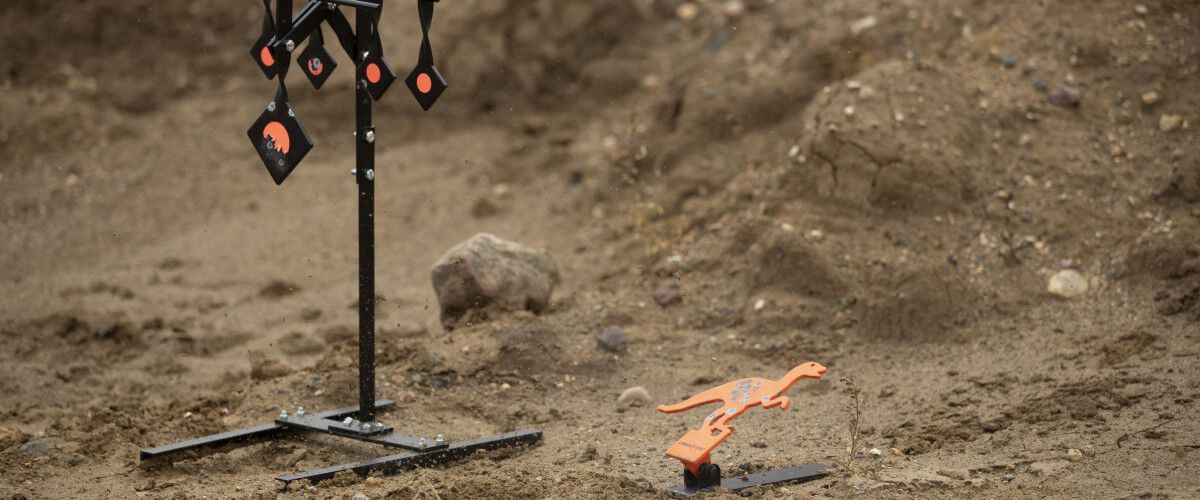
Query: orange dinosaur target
point(695, 447)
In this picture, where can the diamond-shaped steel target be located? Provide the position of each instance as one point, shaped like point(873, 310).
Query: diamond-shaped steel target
point(263, 57)
point(317, 63)
point(426, 84)
point(280, 140)
point(377, 74)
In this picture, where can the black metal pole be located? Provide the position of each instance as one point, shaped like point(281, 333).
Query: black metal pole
point(365, 174)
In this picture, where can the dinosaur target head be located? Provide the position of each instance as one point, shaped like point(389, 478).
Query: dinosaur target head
point(277, 138)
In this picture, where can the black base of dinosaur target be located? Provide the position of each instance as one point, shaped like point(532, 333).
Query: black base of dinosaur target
point(710, 479)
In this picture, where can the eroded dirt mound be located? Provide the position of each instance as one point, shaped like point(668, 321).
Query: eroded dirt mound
point(735, 186)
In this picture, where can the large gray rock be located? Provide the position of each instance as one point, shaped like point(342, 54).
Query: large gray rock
point(486, 270)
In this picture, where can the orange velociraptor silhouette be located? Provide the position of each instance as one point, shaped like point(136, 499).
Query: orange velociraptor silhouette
point(694, 447)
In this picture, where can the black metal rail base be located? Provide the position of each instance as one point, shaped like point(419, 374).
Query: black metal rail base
point(247, 435)
point(790, 475)
point(412, 459)
point(421, 452)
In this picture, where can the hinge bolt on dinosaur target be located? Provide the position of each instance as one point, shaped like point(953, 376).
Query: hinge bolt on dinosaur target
point(282, 143)
point(694, 449)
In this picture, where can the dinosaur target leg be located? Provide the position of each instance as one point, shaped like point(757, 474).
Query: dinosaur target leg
point(783, 402)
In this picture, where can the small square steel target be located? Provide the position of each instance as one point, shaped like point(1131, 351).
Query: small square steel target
point(316, 62)
point(426, 84)
point(262, 55)
point(377, 74)
point(280, 140)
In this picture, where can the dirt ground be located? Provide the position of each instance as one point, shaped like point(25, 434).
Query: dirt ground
point(882, 186)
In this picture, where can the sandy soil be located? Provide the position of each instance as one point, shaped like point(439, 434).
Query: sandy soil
point(881, 186)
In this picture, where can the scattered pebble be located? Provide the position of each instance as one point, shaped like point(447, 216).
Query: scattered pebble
point(360, 496)
point(863, 24)
point(687, 11)
point(734, 9)
point(76, 459)
point(1074, 454)
point(759, 304)
point(36, 447)
point(612, 339)
point(373, 481)
point(667, 295)
point(952, 474)
point(1140, 9)
point(1009, 62)
point(635, 396)
point(1067, 284)
point(1066, 95)
point(1040, 86)
point(1168, 123)
point(1150, 97)
point(875, 451)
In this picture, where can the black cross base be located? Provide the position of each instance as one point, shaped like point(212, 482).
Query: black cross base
point(710, 479)
point(420, 452)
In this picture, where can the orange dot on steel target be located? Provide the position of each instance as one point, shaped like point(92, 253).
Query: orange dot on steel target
point(373, 73)
point(424, 83)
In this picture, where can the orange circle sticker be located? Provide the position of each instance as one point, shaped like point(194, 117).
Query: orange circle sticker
point(373, 73)
point(267, 58)
point(315, 67)
point(424, 83)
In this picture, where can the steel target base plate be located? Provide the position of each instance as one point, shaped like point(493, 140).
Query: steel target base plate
point(777, 477)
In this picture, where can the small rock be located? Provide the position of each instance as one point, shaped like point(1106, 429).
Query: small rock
point(1168, 123)
point(612, 339)
point(1040, 86)
point(687, 11)
point(360, 496)
point(952, 474)
point(667, 295)
point(1008, 62)
point(1150, 98)
point(1066, 95)
point(863, 24)
point(37, 447)
point(264, 366)
point(374, 481)
point(734, 9)
point(76, 459)
point(1140, 9)
point(487, 270)
point(635, 396)
point(1074, 454)
point(875, 451)
point(1068, 284)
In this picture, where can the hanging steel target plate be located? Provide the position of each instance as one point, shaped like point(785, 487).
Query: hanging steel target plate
point(262, 55)
point(377, 74)
point(280, 140)
point(317, 63)
point(426, 84)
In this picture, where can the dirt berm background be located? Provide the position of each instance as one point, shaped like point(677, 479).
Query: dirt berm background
point(884, 187)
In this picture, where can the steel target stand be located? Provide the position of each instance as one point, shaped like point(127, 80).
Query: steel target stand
point(282, 143)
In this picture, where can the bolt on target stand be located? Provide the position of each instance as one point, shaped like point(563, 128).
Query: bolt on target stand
point(282, 143)
point(695, 447)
